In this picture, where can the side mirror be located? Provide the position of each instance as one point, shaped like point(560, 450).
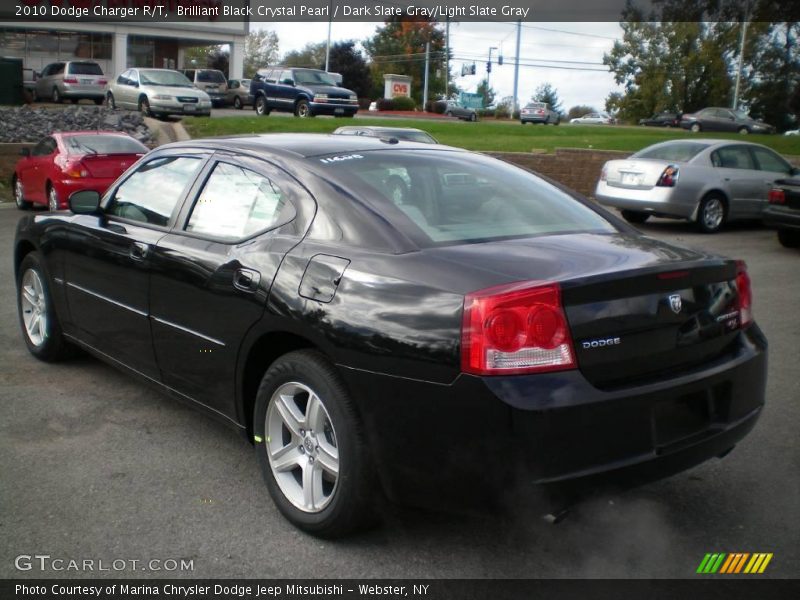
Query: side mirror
point(795, 171)
point(135, 84)
point(26, 152)
point(85, 202)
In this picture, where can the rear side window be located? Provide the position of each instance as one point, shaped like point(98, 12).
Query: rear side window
point(450, 197)
point(78, 68)
point(680, 152)
point(103, 144)
point(236, 203)
point(152, 192)
point(733, 157)
point(47, 146)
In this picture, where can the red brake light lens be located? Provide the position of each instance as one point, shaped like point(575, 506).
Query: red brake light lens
point(669, 177)
point(102, 81)
point(514, 329)
point(777, 196)
point(70, 80)
point(745, 291)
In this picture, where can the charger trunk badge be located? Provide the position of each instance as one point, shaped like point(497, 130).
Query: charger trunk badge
point(675, 303)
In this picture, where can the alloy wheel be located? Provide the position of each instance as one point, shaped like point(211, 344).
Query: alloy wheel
point(19, 194)
point(301, 447)
point(34, 307)
point(713, 213)
point(110, 101)
point(52, 199)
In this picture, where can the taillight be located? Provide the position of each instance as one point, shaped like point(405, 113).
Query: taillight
point(777, 196)
point(669, 177)
point(71, 168)
point(70, 80)
point(604, 173)
point(102, 81)
point(515, 328)
point(745, 294)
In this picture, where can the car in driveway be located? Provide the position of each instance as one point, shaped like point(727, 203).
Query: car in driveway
point(485, 331)
point(454, 109)
point(538, 112)
point(707, 181)
point(783, 211)
point(212, 81)
point(724, 119)
point(71, 80)
point(157, 93)
point(408, 134)
point(68, 161)
point(238, 94)
point(662, 119)
point(304, 92)
point(593, 119)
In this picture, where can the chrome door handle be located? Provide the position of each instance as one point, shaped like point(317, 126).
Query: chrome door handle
point(246, 280)
point(139, 250)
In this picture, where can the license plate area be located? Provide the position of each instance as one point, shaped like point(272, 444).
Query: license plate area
point(338, 111)
point(189, 107)
point(633, 179)
point(87, 81)
point(685, 417)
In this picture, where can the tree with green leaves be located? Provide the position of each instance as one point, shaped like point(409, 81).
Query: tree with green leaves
point(398, 47)
point(312, 55)
point(260, 50)
point(578, 111)
point(547, 93)
point(487, 92)
point(348, 61)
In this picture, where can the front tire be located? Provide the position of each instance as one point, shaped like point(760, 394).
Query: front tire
point(635, 216)
point(311, 448)
point(789, 238)
point(696, 128)
point(473, 117)
point(743, 131)
point(110, 102)
point(19, 195)
point(712, 213)
point(302, 109)
point(40, 326)
point(262, 110)
point(144, 107)
point(57, 96)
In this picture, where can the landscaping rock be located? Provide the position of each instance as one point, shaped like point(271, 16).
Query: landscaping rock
point(27, 124)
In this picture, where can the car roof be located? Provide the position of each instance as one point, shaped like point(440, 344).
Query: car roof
point(379, 128)
point(306, 145)
point(710, 142)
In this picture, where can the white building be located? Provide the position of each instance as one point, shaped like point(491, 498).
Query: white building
point(119, 44)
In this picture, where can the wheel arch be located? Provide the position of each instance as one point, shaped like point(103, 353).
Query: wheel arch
point(21, 250)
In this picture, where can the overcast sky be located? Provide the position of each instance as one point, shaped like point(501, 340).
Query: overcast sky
point(577, 45)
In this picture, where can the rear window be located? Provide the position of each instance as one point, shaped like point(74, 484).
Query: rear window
point(77, 68)
point(210, 77)
point(450, 197)
point(103, 144)
point(536, 105)
point(680, 152)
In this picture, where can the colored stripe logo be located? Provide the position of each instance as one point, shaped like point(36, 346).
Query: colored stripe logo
point(734, 563)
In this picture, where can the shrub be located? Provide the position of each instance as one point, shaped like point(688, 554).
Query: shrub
point(436, 106)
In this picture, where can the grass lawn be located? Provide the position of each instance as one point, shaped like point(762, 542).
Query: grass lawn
point(489, 135)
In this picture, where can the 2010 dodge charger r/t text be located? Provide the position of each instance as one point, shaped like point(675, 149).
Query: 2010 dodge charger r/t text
point(385, 317)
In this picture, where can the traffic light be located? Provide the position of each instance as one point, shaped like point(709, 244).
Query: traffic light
point(472, 71)
point(489, 67)
point(500, 60)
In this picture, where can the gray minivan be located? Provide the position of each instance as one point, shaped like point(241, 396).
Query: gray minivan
point(71, 80)
point(211, 81)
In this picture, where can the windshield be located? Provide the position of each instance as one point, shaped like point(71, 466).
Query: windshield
point(677, 151)
point(77, 68)
point(310, 77)
point(158, 77)
point(442, 197)
point(103, 144)
point(210, 76)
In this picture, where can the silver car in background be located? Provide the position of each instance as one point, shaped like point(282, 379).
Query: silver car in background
point(71, 80)
point(705, 181)
point(157, 93)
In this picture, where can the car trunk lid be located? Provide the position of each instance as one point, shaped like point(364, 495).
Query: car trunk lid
point(104, 166)
point(641, 174)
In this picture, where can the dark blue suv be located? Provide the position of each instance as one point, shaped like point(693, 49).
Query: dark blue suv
point(305, 92)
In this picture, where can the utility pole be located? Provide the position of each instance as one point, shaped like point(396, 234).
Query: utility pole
point(328, 46)
point(516, 68)
point(741, 56)
point(447, 59)
point(427, 66)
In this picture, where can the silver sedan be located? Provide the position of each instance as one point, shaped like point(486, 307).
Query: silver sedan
point(705, 181)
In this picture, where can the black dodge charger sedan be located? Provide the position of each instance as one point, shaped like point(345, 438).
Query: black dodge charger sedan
point(383, 317)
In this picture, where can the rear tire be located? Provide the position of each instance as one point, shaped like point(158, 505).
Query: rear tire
point(696, 128)
point(635, 216)
point(237, 103)
point(57, 96)
point(110, 102)
point(52, 198)
point(473, 117)
point(311, 447)
point(38, 320)
point(711, 214)
point(743, 131)
point(19, 194)
point(789, 238)
point(144, 107)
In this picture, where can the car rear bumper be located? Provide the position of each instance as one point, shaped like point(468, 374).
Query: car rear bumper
point(656, 200)
point(532, 119)
point(469, 440)
point(65, 188)
point(781, 217)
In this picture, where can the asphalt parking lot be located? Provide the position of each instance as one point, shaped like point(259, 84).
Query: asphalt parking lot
point(95, 465)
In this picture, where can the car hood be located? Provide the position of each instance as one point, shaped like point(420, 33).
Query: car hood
point(566, 257)
point(328, 89)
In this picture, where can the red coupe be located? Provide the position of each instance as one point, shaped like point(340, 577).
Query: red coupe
point(66, 162)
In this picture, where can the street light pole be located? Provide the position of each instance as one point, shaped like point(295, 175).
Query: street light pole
point(328, 46)
point(741, 56)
